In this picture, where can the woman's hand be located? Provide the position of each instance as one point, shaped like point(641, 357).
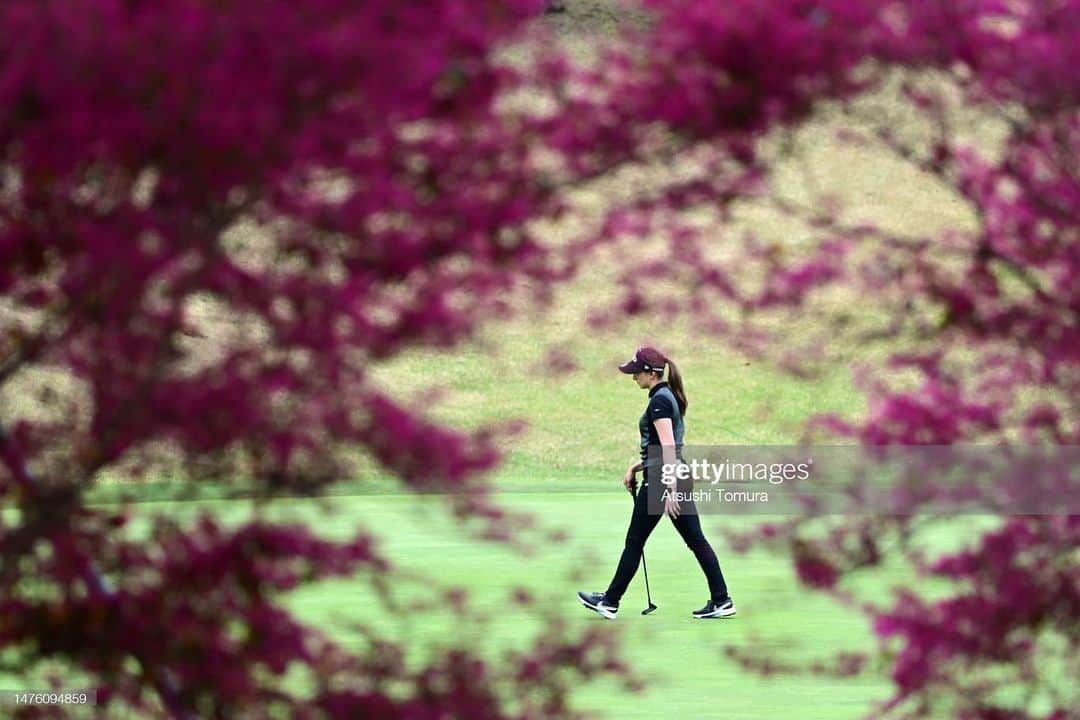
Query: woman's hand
point(630, 481)
point(671, 504)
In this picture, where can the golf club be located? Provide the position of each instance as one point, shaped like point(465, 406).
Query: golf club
point(648, 595)
point(645, 569)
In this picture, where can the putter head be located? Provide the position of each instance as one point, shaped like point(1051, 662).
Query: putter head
point(649, 609)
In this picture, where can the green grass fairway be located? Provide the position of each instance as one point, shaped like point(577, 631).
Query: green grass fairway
point(680, 659)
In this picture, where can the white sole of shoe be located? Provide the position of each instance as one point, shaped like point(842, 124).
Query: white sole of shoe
point(604, 612)
point(730, 612)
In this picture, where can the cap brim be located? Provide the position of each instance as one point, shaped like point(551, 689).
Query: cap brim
point(630, 367)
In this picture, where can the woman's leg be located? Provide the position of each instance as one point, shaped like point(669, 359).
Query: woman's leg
point(689, 526)
point(641, 526)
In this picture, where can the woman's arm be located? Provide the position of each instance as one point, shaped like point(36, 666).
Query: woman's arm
point(666, 434)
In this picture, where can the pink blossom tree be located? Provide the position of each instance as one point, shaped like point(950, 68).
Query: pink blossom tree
point(391, 183)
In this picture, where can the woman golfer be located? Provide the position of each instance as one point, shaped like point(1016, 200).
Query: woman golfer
point(661, 427)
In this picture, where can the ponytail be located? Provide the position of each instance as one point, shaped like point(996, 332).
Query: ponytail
point(675, 383)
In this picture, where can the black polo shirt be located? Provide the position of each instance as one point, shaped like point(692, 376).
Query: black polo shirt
point(662, 404)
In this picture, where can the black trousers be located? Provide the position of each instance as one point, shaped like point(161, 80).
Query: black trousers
point(641, 526)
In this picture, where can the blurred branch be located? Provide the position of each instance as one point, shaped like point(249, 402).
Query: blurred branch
point(26, 352)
